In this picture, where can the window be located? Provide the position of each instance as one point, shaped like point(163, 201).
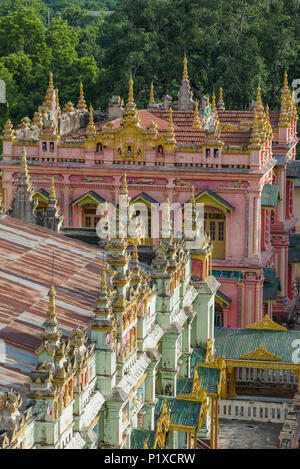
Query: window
point(207, 152)
point(51, 146)
point(99, 148)
point(214, 221)
point(44, 146)
point(160, 150)
point(216, 153)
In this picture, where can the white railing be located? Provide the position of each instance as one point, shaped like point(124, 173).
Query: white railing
point(251, 375)
point(256, 410)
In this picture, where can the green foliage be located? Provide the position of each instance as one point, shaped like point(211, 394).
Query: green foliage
point(230, 43)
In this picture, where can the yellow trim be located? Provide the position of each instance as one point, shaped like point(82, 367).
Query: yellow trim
point(37, 195)
point(210, 200)
point(86, 199)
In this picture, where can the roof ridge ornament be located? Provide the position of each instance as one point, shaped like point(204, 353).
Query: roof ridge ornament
point(266, 324)
point(260, 353)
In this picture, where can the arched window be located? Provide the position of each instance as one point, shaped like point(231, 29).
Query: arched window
point(215, 226)
point(160, 150)
point(99, 148)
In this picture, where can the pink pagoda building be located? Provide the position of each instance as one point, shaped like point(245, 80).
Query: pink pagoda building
point(236, 161)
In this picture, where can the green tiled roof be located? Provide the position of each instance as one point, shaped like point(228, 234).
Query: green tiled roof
point(138, 437)
point(198, 355)
point(269, 195)
point(210, 378)
point(182, 412)
point(232, 343)
point(184, 385)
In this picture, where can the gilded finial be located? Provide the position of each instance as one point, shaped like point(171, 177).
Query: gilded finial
point(56, 97)
point(24, 168)
point(192, 199)
point(52, 295)
point(170, 117)
point(196, 122)
point(130, 93)
point(81, 90)
point(258, 98)
point(52, 189)
point(50, 80)
point(286, 84)
point(213, 105)
point(91, 120)
point(151, 92)
point(81, 102)
point(124, 188)
point(185, 69)
point(221, 105)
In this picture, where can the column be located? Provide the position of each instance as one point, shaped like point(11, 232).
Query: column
point(232, 392)
point(212, 423)
point(216, 423)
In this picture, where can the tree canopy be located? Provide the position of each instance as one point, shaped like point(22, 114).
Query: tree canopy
point(235, 44)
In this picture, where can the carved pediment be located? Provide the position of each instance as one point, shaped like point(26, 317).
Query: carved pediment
point(267, 324)
point(261, 354)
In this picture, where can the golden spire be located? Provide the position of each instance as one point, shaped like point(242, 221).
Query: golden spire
point(171, 117)
point(52, 295)
point(81, 103)
point(185, 69)
point(124, 188)
point(130, 114)
point(268, 123)
point(221, 105)
point(52, 189)
point(213, 105)
point(196, 122)
point(255, 136)
point(91, 120)
point(151, 92)
point(286, 83)
point(24, 168)
point(50, 80)
point(130, 92)
point(56, 97)
point(151, 103)
point(91, 129)
point(170, 134)
point(258, 97)
point(284, 117)
point(192, 199)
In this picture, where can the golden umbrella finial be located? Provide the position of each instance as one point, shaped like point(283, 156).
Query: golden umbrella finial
point(258, 98)
point(81, 90)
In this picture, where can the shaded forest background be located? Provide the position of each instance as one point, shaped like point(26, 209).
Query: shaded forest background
point(230, 43)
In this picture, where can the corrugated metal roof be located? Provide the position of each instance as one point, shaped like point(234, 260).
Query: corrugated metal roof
point(26, 253)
